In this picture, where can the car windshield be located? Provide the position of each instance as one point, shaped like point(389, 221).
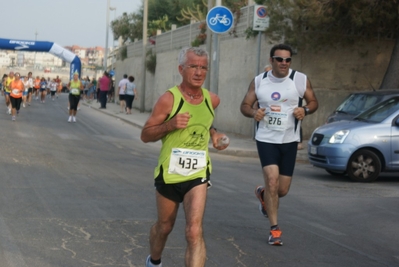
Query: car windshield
point(381, 111)
point(357, 103)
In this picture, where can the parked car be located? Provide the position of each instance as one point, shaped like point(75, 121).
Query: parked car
point(358, 102)
point(363, 147)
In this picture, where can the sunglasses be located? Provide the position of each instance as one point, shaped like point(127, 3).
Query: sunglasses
point(281, 59)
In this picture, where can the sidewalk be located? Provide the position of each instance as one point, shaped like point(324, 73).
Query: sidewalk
point(239, 146)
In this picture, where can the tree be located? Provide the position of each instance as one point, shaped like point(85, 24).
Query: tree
point(128, 26)
point(336, 23)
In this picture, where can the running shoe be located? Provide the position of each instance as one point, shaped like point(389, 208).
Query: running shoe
point(259, 190)
point(74, 119)
point(149, 264)
point(13, 118)
point(23, 105)
point(9, 111)
point(69, 119)
point(275, 237)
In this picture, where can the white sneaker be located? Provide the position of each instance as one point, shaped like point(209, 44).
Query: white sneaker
point(23, 104)
point(69, 119)
point(9, 111)
point(74, 119)
point(149, 264)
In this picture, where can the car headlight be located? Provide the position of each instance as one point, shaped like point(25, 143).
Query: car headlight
point(339, 137)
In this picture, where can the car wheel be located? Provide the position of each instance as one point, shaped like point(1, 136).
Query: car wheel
point(364, 166)
point(336, 173)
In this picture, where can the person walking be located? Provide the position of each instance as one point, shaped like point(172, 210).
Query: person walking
point(104, 84)
point(17, 88)
point(130, 93)
point(182, 118)
point(75, 88)
point(279, 93)
point(121, 91)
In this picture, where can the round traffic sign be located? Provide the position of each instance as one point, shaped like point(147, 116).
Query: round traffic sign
point(219, 19)
point(261, 12)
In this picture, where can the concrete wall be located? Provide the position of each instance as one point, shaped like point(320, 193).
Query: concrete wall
point(334, 73)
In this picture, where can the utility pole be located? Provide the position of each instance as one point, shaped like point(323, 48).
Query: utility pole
point(143, 83)
point(106, 39)
point(209, 37)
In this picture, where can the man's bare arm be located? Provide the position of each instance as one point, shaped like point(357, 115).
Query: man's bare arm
point(156, 127)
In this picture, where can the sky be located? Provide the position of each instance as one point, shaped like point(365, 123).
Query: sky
point(65, 22)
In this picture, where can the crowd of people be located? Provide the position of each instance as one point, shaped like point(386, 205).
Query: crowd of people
point(19, 90)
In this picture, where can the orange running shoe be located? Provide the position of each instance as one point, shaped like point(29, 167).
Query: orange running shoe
point(275, 237)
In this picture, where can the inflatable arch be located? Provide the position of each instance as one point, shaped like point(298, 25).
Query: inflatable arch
point(40, 46)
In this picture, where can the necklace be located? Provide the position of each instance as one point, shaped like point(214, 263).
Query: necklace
point(192, 96)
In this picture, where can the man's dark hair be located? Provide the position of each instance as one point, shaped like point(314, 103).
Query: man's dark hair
point(124, 76)
point(131, 79)
point(280, 47)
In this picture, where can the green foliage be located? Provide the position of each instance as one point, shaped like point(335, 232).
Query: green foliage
point(151, 61)
point(331, 22)
point(128, 26)
point(123, 53)
point(250, 33)
point(201, 37)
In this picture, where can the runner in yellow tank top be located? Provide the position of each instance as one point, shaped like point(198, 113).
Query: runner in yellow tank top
point(182, 118)
point(75, 87)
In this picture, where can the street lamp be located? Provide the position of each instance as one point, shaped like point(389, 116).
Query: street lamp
point(113, 39)
point(106, 38)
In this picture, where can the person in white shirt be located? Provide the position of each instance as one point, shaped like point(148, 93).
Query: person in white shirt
point(280, 93)
point(53, 88)
point(122, 87)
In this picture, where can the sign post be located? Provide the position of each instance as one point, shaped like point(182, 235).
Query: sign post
point(219, 20)
point(260, 23)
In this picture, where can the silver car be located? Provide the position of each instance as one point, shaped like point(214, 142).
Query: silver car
point(363, 147)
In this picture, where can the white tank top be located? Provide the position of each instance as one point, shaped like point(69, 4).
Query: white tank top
point(280, 96)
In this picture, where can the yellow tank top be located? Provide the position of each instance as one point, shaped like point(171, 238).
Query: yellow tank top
point(75, 87)
point(8, 82)
point(184, 154)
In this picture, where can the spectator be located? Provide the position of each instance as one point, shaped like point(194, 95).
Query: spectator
point(104, 85)
point(130, 93)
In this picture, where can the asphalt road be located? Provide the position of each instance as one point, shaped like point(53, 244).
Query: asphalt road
point(81, 194)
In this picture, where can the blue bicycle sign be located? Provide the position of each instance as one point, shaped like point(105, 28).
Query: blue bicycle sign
point(219, 19)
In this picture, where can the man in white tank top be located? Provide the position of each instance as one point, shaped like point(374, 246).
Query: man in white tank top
point(279, 93)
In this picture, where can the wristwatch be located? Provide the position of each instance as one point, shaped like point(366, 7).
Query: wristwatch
point(306, 110)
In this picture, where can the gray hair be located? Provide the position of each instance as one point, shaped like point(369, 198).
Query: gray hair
point(182, 59)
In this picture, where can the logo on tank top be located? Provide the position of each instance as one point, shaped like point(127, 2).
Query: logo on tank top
point(277, 97)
